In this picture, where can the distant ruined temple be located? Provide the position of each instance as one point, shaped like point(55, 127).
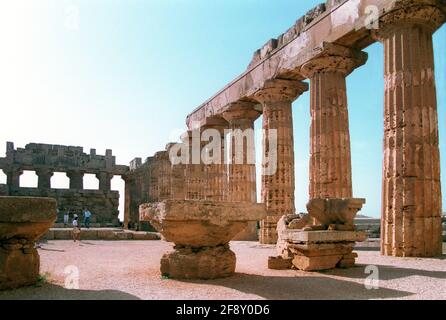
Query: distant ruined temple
point(45, 160)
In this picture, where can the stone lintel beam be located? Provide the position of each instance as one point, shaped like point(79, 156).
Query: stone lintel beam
point(344, 24)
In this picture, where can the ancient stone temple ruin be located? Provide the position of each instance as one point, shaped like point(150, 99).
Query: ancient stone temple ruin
point(46, 159)
point(325, 46)
point(201, 193)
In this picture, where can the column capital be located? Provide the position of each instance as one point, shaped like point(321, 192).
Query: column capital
point(280, 90)
point(334, 58)
point(44, 171)
point(240, 111)
point(425, 13)
point(215, 123)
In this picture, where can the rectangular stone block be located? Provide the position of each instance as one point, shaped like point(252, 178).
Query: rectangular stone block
point(106, 234)
point(316, 263)
point(63, 234)
point(279, 263)
point(299, 236)
point(89, 234)
point(321, 250)
point(145, 236)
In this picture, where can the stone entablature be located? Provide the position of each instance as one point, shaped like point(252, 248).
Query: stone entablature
point(340, 22)
point(58, 158)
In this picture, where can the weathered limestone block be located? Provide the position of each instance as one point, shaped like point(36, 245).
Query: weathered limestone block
point(337, 213)
point(317, 263)
point(201, 231)
point(201, 263)
point(22, 222)
point(328, 248)
point(279, 263)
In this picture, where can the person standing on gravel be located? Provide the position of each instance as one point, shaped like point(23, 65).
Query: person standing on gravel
point(66, 217)
point(87, 216)
point(76, 229)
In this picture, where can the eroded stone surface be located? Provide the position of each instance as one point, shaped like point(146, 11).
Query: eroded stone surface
point(22, 221)
point(202, 263)
point(201, 231)
point(47, 159)
point(335, 211)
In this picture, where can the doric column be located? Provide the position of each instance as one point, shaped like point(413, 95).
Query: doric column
point(216, 162)
point(127, 200)
point(178, 170)
point(330, 158)
point(76, 179)
point(242, 170)
point(104, 181)
point(411, 208)
point(44, 178)
point(195, 170)
point(13, 179)
point(276, 98)
point(163, 167)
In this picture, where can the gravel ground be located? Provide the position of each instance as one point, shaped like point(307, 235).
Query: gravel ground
point(130, 270)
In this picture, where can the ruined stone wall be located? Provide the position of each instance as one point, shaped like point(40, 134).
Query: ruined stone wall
point(3, 190)
point(103, 206)
point(46, 159)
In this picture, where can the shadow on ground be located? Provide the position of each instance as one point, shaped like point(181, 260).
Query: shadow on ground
point(386, 272)
point(54, 292)
point(303, 288)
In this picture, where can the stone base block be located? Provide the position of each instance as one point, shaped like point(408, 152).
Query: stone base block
point(316, 263)
point(138, 235)
point(18, 266)
point(201, 263)
point(279, 263)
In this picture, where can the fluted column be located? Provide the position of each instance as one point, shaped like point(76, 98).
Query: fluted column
point(216, 162)
point(411, 208)
point(104, 181)
point(195, 169)
point(127, 201)
point(178, 171)
point(278, 164)
point(330, 158)
point(163, 167)
point(242, 171)
point(76, 179)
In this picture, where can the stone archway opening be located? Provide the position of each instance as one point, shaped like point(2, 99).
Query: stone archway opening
point(3, 178)
point(59, 180)
point(29, 179)
point(118, 184)
point(91, 182)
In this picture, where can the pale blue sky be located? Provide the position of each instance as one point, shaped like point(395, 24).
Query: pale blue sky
point(126, 78)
